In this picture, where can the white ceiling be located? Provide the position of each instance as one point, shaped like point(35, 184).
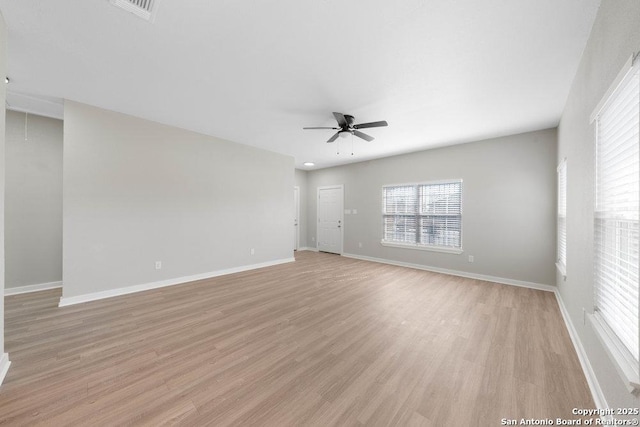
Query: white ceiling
point(440, 72)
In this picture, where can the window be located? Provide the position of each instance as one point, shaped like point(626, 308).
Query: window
point(562, 217)
point(423, 216)
point(616, 234)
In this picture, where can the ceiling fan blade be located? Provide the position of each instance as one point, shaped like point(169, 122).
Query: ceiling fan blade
point(371, 125)
point(321, 128)
point(334, 137)
point(341, 120)
point(363, 136)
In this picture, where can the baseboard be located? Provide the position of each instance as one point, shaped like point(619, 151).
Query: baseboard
point(4, 366)
point(308, 248)
point(594, 385)
point(163, 283)
point(32, 288)
point(502, 280)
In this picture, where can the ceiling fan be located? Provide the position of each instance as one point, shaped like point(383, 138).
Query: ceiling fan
point(347, 127)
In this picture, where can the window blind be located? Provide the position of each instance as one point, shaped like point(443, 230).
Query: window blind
point(616, 238)
point(426, 214)
point(562, 217)
point(400, 208)
point(441, 209)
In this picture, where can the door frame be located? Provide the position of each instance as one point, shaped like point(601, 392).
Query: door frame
point(296, 202)
point(328, 187)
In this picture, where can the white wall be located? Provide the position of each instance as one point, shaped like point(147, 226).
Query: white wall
point(614, 37)
point(509, 200)
point(301, 182)
point(137, 192)
point(33, 200)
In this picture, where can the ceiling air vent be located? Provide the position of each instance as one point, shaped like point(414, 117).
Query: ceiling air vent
point(142, 8)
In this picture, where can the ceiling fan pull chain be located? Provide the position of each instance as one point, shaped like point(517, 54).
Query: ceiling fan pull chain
point(352, 144)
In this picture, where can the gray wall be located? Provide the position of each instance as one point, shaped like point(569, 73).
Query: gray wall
point(509, 200)
point(33, 200)
point(136, 192)
point(301, 181)
point(614, 37)
point(3, 93)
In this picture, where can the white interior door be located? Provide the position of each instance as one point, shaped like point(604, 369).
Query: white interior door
point(296, 218)
point(330, 221)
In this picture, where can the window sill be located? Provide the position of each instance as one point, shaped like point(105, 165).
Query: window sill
point(624, 362)
point(423, 248)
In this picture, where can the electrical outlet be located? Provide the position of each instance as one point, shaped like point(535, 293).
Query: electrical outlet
point(471, 259)
point(313, 239)
point(253, 251)
point(158, 265)
point(360, 244)
point(584, 316)
point(354, 211)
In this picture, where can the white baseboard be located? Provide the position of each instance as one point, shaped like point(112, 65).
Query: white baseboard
point(502, 280)
point(307, 248)
point(163, 283)
point(592, 380)
point(4, 366)
point(32, 288)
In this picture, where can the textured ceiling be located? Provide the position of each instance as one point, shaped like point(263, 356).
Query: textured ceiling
point(440, 72)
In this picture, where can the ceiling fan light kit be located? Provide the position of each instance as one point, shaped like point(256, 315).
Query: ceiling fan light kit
point(346, 127)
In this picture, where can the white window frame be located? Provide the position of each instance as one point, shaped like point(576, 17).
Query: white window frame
point(418, 246)
point(561, 262)
point(627, 365)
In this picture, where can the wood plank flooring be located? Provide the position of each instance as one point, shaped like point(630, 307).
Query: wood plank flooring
point(323, 341)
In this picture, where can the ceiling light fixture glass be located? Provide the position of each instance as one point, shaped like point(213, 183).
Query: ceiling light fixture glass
point(6, 80)
point(344, 134)
point(309, 164)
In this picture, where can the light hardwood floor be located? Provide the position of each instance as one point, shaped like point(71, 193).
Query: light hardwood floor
point(323, 341)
